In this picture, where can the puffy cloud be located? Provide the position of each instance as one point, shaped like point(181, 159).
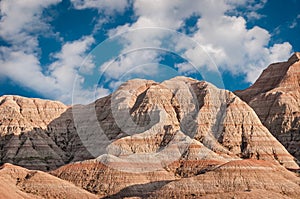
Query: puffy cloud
point(106, 6)
point(238, 49)
point(21, 19)
point(21, 24)
point(227, 39)
point(68, 61)
point(25, 69)
point(221, 31)
point(128, 62)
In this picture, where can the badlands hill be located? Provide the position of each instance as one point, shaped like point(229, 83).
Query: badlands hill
point(17, 182)
point(275, 97)
point(38, 134)
point(181, 137)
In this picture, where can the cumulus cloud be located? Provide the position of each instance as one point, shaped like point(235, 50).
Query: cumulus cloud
point(25, 69)
point(239, 49)
point(106, 6)
point(127, 62)
point(20, 26)
point(21, 20)
point(227, 39)
point(221, 31)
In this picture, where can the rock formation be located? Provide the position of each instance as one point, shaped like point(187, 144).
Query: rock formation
point(17, 182)
point(103, 180)
point(38, 134)
point(176, 130)
point(275, 97)
point(148, 137)
point(196, 112)
point(235, 179)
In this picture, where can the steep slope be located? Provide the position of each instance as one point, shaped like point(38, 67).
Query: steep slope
point(20, 114)
point(17, 182)
point(103, 180)
point(142, 117)
point(236, 179)
point(37, 134)
point(177, 129)
point(275, 97)
point(184, 107)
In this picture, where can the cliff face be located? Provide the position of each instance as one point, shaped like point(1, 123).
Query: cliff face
point(148, 138)
point(141, 117)
point(169, 133)
point(235, 179)
point(215, 121)
point(38, 134)
point(20, 114)
point(275, 97)
point(17, 182)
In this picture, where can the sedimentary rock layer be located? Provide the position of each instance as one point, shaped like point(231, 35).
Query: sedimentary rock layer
point(275, 97)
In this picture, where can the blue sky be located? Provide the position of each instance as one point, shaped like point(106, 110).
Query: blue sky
point(78, 50)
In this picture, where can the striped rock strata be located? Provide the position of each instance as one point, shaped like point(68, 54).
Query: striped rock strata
point(275, 97)
point(19, 183)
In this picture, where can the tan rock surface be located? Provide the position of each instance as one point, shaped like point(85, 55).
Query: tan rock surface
point(147, 136)
point(17, 182)
point(141, 117)
point(20, 114)
point(179, 129)
point(195, 110)
point(38, 134)
point(238, 179)
point(102, 180)
point(275, 97)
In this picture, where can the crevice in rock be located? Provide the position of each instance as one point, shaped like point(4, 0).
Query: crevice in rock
point(2, 101)
point(139, 100)
point(176, 107)
point(20, 107)
point(244, 144)
point(168, 136)
point(22, 139)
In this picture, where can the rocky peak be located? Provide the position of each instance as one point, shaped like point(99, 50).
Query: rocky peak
point(186, 116)
point(37, 133)
point(275, 99)
point(21, 114)
point(294, 58)
point(283, 75)
point(177, 120)
point(172, 137)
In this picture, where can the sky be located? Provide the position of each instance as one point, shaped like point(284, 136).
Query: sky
point(76, 51)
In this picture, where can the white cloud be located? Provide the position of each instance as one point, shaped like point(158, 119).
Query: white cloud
point(72, 54)
point(21, 24)
point(232, 45)
point(128, 62)
point(65, 69)
point(25, 69)
point(294, 23)
point(106, 6)
point(21, 19)
point(238, 49)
